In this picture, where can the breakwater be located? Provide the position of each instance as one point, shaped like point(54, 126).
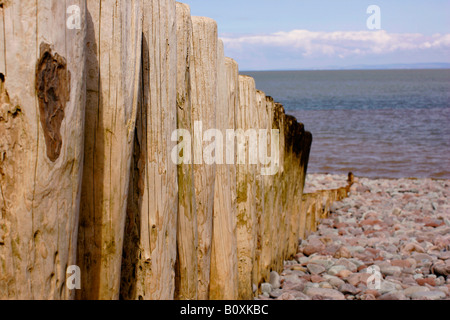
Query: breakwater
point(91, 175)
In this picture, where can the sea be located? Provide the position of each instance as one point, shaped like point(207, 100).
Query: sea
point(374, 123)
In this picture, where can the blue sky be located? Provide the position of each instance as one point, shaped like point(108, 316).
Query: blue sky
point(307, 34)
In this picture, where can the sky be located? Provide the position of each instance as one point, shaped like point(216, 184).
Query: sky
point(329, 34)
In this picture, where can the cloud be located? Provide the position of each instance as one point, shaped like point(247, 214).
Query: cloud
point(341, 44)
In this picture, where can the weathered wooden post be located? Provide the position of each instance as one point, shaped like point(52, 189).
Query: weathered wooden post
point(261, 118)
point(280, 193)
point(297, 145)
point(303, 217)
point(150, 244)
point(114, 38)
point(289, 183)
point(224, 277)
point(307, 142)
point(269, 221)
point(204, 99)
point(303, 144)
point(42, 99)
point(186, 269)
point(246, 186)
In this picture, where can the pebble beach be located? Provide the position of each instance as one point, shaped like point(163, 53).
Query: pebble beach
point(389, 240)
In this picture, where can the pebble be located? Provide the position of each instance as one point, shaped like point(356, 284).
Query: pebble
point(444, 289)
point(387, 287)
point(266, 288)
point(336, 282)
point(334, 270)
point(276, 293)
point(327, 263)
point(409, 292)
point(354, 279)
point(310, 250)
point(343, 252)
point(391, 270)
point(397, 295)
point(275, 280)
point(315, 268)
point(441, 269)
point(292, 279)
point(325, 293)
point(345, 274)
point(348, 289)
point(429, 281)
point(298, 267)
point(347, 264)
point(325, 285)
point(303, 260)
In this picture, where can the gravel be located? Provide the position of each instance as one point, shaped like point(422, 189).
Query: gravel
point(390, 240)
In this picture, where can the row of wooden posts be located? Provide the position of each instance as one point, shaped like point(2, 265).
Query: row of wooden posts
point(87, 118)
point(317, 206)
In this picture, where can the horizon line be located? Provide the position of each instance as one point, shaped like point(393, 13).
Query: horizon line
point(349, 69)
point(392, 66)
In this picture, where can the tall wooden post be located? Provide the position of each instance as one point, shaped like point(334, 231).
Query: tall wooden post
point(224, 281)
point(149, 261)
point(246, 188)
point(204, 99)
point(42, 99)
point(114, 38)
point(187, 236)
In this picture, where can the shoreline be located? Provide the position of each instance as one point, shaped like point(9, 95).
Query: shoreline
point(376, 178)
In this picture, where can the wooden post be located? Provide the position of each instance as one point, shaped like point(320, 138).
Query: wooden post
point(303, 217)
point(297, 146)
point(187, 236)
point(114, 30)
point(317, 211)
point(261, 118)
point(232, 74)
point(280, 193)
point(204, 99)
point(310, 213)
point(42, 98)
point(289, 181)
point(246, 190)
point(150, 244)
point(269, 220)
point(224, 281)
point(307, 142)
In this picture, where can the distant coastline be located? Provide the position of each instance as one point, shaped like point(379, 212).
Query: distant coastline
point(398, 66)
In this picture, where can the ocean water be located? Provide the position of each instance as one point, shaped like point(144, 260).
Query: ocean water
point(375, 123)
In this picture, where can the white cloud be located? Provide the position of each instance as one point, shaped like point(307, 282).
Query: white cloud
point(342, 44)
